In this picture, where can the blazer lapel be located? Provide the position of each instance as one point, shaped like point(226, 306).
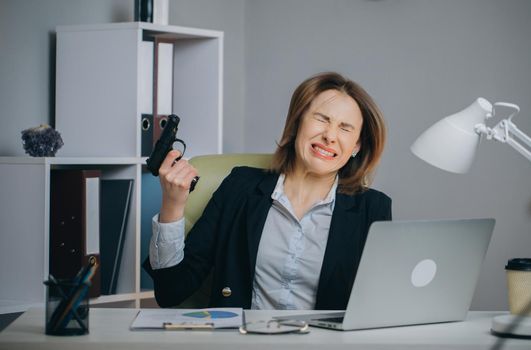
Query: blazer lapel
point(344, 219)
point(258, 205)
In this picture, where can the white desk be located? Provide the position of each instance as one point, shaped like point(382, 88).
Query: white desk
point(109, 329)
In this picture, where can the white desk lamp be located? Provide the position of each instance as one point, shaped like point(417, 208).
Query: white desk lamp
point(451, 143)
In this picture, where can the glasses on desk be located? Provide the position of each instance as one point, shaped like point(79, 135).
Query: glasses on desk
point(275, 327)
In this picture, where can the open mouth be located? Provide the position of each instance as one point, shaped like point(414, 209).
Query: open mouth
point(325, 152)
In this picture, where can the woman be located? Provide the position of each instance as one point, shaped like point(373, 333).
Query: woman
point(290, 237)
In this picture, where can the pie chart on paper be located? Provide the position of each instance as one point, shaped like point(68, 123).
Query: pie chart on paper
point(210, 314)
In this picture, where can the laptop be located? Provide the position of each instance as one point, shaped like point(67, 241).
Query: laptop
point(413, 272)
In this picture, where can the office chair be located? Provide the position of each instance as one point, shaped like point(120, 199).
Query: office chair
point(212, 170)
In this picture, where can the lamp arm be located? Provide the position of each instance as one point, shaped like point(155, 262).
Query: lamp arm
point(507, 132)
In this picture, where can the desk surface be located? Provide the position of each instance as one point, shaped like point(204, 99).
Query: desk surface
point(109, 329)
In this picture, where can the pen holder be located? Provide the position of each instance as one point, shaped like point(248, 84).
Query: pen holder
point(67, 307)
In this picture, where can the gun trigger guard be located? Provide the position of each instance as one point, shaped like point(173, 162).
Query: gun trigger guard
point(182, 152)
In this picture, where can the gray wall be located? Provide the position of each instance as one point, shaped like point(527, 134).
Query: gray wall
point(27, 57)
point(420, 59)
point(228, 16)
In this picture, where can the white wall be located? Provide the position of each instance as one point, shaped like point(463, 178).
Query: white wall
point(421, 60)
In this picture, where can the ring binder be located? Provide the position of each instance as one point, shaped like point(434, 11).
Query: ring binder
point(74, 223)
point(146, 127)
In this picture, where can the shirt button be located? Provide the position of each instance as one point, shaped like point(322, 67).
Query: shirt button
point(226, 292)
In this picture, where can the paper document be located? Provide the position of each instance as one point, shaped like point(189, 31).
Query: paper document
point(188, 318)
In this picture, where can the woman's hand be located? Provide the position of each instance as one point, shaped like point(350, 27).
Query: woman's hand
point(175, 179)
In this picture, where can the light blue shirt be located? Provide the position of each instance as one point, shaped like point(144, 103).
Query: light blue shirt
point(291, 252)
point(289, 258)
point(166, 247)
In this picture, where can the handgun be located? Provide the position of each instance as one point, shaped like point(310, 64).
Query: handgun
point(164, 145)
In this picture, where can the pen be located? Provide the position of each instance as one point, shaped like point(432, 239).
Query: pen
point(85, 270)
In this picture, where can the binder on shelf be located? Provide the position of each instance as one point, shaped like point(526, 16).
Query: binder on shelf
point(164, 78)
point(146, 127)
point(145, 76)
point(162, 83)
point(116, 196)
point(74, 223)
point(159, 123)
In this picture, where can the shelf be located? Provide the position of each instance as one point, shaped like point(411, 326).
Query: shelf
point(114, 298)
point(74, 160)
point(178, 32)
point(103, 299)
point(104, 81)
point(146, 295)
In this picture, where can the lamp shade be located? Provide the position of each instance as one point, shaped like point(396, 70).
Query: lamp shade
point(451, 143)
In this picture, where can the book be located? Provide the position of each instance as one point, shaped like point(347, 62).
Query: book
point(74, 223)
point(116, 196)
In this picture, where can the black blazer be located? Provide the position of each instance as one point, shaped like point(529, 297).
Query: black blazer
point(226, 239)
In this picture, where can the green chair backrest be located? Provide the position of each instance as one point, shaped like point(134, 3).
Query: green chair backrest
point(212, 170)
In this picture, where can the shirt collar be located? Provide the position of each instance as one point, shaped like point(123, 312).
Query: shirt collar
point(278, 192)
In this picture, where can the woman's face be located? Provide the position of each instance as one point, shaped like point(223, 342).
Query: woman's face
point(328, 134)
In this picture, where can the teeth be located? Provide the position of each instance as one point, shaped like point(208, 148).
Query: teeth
point(323, 152)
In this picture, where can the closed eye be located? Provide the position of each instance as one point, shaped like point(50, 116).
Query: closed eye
point(325, 119)
point(347, 128)
point(321, 118)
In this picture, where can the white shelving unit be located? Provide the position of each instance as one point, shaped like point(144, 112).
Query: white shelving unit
point(103, 86)
point(102, 72)
point(25, 214)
